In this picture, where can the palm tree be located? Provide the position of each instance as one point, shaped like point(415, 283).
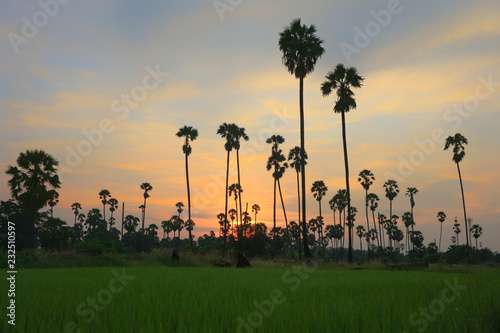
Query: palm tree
point(301, 50)
point(360, 232)
point(238, 133)
point(76, 207)
point(226, 131)
point(373, 199)
point(237, 190)
point(391, 191)
point(113, 205)
point(456, 229)
point(295, 155)
point(256, 210)
point(131, 222)
point(343, 79)
point(189, 134)
point(458, 142)
point(476, 231)
point(167, 227)
point(366, 178)
point(407, 219)
point(411, 192)
point(179, 207)
point(232, 215)
point(146, 187)
point(318, 190)
point(277, 162)
point(441, 218)
point(103, 195)
point(54, 199)
point(33, 178)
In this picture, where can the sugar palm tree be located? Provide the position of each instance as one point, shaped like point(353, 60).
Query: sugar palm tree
point(391, 191)
point(189, 134)
point(131, 222)
point(476, 232)
point(297, 159)
point(167, 227)
point(318, 190)
point(276, 162)
point(232, 215)
point(458, 142)
point(76, 207)
point(441, 218)
point(373, 199)
point(179, 207)
point(342, 80)
point(411, 192)
point(238, 134)
point(227, 131)
point(456, 229)
point(407, 219)
point(237, 190)
point(33, 178)
point(256, 210)
point(113, 205)
point(147, 188)
point(54, 200)
point(301, 50)
point(104, 195)
point(366, 178)
point(360, 232)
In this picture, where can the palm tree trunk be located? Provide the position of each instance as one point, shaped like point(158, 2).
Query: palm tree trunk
point(346, 163)
point(189, 201)
point(465, 212)
point(307, 252)
point(440, 234)
point(274, 220)
point(366, 210)
point(298, 205)
point(375, 225)
point(225, 209)
point(239, 184)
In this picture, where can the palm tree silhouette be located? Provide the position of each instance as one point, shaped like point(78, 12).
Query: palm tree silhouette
point(131, 222)
point(113, 205)
point(237, 190)
point(256, 210)
point(226, 131)
point(343, 79)
point(76, 207)
point(366, 178)
point(458, 142)
point(391, 191)
point(456, 229)
point(407, 219)
point(411, 192)
point(301, 49)
point(189, 134)
point(232, 215)
point(373, 199)
point(318, 190)
point(441, 218)
point(295, 155)
point(179, 207)
point(147, 188)
point(476, 232)
point(360, 232)
point(33, 178)
point(103, 195)
point(54, 199)
point(167, 227)
point(238, 133)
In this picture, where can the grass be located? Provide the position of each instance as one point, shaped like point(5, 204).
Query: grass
point(206, 299)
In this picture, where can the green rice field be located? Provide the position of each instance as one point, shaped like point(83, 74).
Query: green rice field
point(287, 299)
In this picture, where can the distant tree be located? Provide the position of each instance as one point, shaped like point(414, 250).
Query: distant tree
point(411, 192)
point(297, 159)
point(366, 178)
point(391, 191)
point(318, 190)
point(167, 227)
point(179, 207)
point(131, 222)
point(189, 134)
point(373, 199)
point(458, 142)
point(407, 219)
point(113, 205)
point(256, 210)
point(360, 232)
point(301, 49)
point(104, 195)
point(54, 200)
point(476, 231)
point(441, 218)
point(76, 207)
point(456, 229)
point(33, 179)
point(146, 187)
point(342, 80)
point(417, 239)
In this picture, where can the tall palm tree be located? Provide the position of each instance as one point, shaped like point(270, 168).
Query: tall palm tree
point(33, 178)
point(391, 191)
point(318, 190)
point(189, 134)
point(342, 80)
point(411, 192)
point(76, 207)
point(366, 178)
point(360, 232)
point(226, 131)
point(256, 210)
point(441, 218)
point(277, 163)
point(301, 50)
point(407, 219)
point(297, 159)
point(237, 190)
point(232, 215)
point(238, 133)
point(113, 205)
point(104, 195)
point(147, 188)
point(456, 229)
point(373, 199)
point(458, 142)
point(476, 232)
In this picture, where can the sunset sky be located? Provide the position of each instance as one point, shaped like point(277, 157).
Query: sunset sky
point(114, 80)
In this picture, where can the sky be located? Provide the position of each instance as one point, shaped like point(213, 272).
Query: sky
point(103, 86)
